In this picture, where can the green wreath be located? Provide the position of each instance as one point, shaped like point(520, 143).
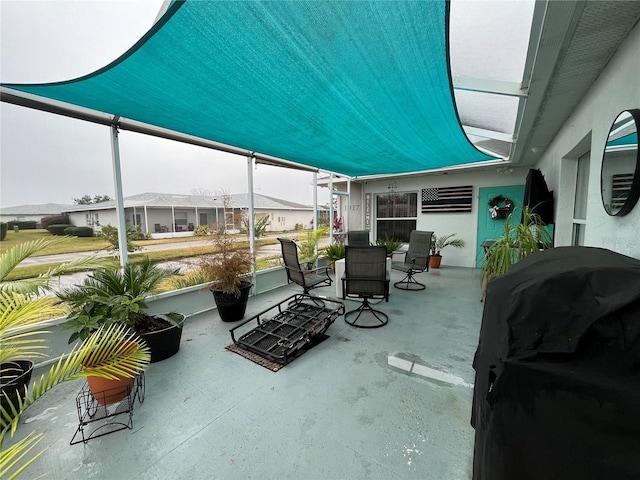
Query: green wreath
point(500, 207)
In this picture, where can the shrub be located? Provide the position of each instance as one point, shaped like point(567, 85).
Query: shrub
point(201, 230)
point(55, 220)
point(259, 228)
point(58, 229)
point(299, 226)
point(22, 224)
point(139, 235)
point(3, 230)
point(79, 231)
point(110, 234)
point(334, 252)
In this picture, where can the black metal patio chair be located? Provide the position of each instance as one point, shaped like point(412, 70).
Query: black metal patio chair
point(366, 277)
point(416, 260)
point(358, 238)
point(307, 279)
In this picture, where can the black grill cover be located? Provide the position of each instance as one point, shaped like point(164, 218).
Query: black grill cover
point(557, 388)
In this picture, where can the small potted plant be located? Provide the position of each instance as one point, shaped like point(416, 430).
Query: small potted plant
point(226, 272)
point(334, 252)
point(438, 244)
point(110, 296)
point(22, 304)
point(390, 243)
point(519, 240)
point(309, 247)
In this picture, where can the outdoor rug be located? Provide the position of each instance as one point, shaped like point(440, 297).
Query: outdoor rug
point(270, 364)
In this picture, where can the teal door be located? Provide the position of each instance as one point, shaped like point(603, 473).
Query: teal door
point(489, 228)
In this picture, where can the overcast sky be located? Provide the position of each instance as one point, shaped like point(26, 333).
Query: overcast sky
point(46, 158)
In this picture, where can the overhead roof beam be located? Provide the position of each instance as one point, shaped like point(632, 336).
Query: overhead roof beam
point(35, 102)
point(497, 87)
point(492, 134)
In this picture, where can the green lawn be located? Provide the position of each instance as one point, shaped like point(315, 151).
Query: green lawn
point(83, 244)
point(77, 244)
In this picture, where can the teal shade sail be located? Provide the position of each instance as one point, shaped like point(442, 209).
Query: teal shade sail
point(629, 140)
point(357, 88)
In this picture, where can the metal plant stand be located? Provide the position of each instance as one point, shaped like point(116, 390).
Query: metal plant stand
point(288, 326)
point(96, 419)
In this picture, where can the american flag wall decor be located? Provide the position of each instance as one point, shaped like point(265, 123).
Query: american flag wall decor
point(447, 199)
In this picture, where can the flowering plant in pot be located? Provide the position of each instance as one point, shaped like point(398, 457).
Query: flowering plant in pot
point(109, 296)
point(438, 244)
point(226, 273)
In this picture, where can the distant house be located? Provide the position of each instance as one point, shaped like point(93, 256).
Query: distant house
point(32, 212)
point(163, 214)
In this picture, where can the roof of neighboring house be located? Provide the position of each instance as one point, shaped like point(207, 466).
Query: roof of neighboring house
point(42, 209)
point(154, 200)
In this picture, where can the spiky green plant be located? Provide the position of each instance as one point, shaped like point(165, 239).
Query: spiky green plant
point(101, 355)
point(518, 241)
point(334, 252)
point(23, 302)
point(112, 296)
point(391, 244)
point(309, 247)
point(22, 305)
point(439, 243)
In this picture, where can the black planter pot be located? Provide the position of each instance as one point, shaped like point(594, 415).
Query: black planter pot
point(164, 343)
point(231, 307)
point(14, 377)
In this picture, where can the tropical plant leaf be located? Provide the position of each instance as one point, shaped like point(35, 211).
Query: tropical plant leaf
point(11, 457)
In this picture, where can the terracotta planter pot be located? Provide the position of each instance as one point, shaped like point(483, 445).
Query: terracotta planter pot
point(109, 391)
point(434, 262)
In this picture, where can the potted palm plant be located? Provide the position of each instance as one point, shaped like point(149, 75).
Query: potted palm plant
point(22, 308)
point(110, 296)
point(518, 241)
point(333, 252)
point(226, 272)
point(309, 247)
point(438, 244)
point(23, 304)
point(391, 244)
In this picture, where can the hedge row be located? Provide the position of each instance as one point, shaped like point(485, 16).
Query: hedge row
point(54, 220)
point(58, 229)
point(3, 230)
point(22, 224)
point(79, 231)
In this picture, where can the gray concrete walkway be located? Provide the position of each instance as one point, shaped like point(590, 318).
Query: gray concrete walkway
point(389, 403)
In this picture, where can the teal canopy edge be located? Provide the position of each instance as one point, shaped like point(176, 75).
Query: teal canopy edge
point(628, 140)
point(357, 88)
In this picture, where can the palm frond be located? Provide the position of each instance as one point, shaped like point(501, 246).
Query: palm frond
point(18, 316)
point(110, 352)
point(11, 457)
point(32, 286)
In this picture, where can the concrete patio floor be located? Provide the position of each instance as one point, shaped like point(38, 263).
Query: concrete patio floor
point(349, 408)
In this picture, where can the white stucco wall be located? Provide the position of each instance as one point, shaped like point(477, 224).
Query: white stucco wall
point(464, 225)
point(617, 89)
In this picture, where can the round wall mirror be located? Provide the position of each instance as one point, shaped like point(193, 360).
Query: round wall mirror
point(620, 174)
